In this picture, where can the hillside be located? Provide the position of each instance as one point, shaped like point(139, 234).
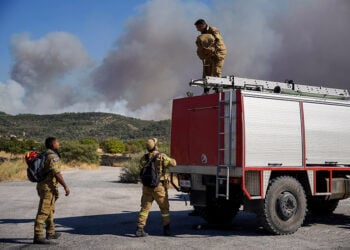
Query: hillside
point(71, 126)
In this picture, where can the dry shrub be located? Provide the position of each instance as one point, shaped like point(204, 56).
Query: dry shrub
point(130, 173)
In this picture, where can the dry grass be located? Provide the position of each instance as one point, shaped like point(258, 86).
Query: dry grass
point(13, 170)
point(78, 165)
point(5, 155)
point(17, 170)
point(10, 156)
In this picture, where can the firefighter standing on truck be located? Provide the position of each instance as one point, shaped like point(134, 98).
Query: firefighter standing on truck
point(211, 49)
point(158, 192)
point(48, 193)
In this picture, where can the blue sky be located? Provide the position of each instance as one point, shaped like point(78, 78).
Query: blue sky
point(96, 23)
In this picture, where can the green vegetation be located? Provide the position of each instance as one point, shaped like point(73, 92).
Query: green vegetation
point(15, 146)
point(135, 146)
point(77, 126)
point(77, 152)
point(130, 173)
point(82, 137)
point(113, 146)
point(164, 147)
point(89, 141)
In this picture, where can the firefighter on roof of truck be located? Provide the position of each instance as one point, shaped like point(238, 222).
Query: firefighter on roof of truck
point(211, 49)
point(155, 186)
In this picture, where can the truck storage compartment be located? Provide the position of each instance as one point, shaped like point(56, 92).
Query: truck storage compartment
point(272, 132)
point(327, 131)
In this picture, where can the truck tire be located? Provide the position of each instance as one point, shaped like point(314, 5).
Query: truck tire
point(318, 206)
point(284, 208)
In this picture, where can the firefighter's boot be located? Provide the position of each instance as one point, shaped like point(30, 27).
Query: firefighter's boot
point(53, 236)
point(140, 232)
point(166, 230)
point(42, 241)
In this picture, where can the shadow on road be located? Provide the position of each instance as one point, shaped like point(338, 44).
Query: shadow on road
point(24, 241)
point(340, 220)
point(183, 226)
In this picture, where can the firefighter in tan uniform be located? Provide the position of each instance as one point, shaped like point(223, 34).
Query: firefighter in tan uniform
point(211, 49)
point(158, 193)
point(48, 193)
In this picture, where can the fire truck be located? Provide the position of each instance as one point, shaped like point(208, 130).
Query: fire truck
point(279, 149)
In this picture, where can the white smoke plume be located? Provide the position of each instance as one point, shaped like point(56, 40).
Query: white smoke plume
point(155, 57)
point(43, 66)
point(11, 94)
point(40, 62)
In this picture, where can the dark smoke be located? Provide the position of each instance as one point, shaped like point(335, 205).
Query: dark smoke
point(154, 59)
point(273, 40)
point(315, 44)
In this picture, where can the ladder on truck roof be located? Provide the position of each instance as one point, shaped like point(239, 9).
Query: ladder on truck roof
point(288, 87)
point(225, 119)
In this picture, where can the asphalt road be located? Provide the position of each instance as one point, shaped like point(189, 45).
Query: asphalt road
point(100, 213)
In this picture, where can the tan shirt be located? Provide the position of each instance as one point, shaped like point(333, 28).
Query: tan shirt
point(220, 48)
point(53, 166)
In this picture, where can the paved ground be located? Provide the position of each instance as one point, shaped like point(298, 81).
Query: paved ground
point(101, 214)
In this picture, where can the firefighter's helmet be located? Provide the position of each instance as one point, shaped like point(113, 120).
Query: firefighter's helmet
point(151, 143)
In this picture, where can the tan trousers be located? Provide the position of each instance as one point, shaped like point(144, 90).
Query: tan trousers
point(160, 195)
point(213, 67)
point(45, 214)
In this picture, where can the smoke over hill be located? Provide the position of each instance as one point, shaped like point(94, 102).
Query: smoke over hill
point(154, 58)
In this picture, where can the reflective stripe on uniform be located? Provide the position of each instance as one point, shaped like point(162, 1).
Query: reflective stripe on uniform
point(40, 221)
point(144, 213)
point(165, 215)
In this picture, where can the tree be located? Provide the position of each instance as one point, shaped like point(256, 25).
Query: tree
point(74, 151)
point(88, 141)
point(135, 146)
point(15, 146)
point(113, 146)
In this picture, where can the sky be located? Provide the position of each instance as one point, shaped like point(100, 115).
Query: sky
point(97, 24)
point(133, 57)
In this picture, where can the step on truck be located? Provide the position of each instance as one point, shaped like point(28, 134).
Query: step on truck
point(278, 149)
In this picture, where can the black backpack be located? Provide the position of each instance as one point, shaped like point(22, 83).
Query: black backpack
point(149, 173)
point(35, 169)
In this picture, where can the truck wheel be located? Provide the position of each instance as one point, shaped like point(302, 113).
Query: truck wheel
point(220, 212)
point(318, 206)
point(284, 208)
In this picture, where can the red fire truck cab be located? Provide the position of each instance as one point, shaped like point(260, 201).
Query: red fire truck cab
point(278, 149)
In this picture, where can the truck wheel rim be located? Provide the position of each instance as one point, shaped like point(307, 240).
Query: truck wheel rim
point(286, 205)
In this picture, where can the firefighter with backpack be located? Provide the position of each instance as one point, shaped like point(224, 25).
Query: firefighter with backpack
point(47, 188)
point(155, 186)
